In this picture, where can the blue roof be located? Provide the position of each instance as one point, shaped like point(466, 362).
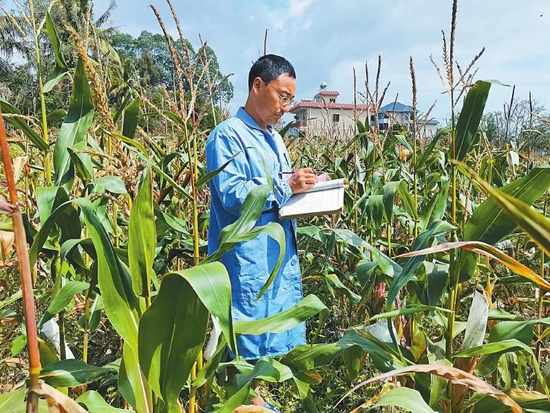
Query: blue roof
point(396, 107)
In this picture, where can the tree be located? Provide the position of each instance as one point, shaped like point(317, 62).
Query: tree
point(153, 62)
point(23, 36)
point(521, 121)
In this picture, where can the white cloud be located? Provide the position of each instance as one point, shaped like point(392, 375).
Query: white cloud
point(298, 7)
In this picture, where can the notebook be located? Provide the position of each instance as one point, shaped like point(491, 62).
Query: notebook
point(321, 199)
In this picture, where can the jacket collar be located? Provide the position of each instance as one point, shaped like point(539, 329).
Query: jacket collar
point(249, 121)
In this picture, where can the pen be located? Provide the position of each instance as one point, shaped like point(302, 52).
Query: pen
point(291, 172)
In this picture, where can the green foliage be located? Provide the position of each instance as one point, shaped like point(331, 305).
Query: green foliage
point(117, 233)
point(150, 56)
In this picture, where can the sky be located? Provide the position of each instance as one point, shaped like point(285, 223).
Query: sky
point(326, 40)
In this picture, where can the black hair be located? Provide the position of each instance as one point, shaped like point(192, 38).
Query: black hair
point(270, 67)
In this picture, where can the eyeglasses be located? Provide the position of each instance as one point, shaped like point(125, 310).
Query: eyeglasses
point(284, 100)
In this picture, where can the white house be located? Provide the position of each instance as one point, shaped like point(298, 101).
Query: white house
point(325, 116)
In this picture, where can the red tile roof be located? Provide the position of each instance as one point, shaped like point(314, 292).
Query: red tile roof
point(328, 105)
point(328, 93)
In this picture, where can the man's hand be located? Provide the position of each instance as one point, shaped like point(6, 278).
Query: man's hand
point(252, 409)
point(302, 180)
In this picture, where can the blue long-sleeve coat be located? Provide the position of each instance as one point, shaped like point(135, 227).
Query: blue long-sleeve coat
point(250, 263)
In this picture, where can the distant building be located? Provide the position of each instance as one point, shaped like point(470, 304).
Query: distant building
point(398, 113)
point(325, 116)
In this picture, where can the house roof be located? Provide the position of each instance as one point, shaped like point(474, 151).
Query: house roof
point(327, 105)
point(328, 93)
point(396, 107)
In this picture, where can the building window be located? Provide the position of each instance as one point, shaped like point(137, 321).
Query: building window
point(336, 117)
point(332, 100)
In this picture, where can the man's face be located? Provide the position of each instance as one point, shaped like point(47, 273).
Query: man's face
point(274, 98)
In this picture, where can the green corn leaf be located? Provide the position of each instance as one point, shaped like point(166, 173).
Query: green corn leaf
point(390, 189)
point(49, 199)
point(133, 143)
point(243, 230)
point(82, 161)
point(251, 210)
point(121, 108)
point(211, 283)
point(385, 263)
point(13, 401)
point(469, 118)
point(56, 115)
point(176, 119)
point(536, 225)
point(69, 373)
point(434, 210)
point(47, 226)
point(274, 230)
point(142, 238)
point(520, 330)
point(334, 283)
point(176, 186)
point(424, 156)
point(62, 299)
point(22, 125)
point(408, 399)
point(171, 334)
point(407, 200)
point(375, 210)
point(121, 304)
point(493, 351)
point(94, 403)
point(285, 129)
point(74, 127)
point(409, 269)
point(131, 113)
point(408, 310)
point(312, 356)
point(287, 319)
point(212, 364)
point(490, 224)
point(489, 251)
point(360, 127)
point(207, 177)
point(11, 299)
point(174, 223)
point(61, 68)
point(113, 184)
point(132, 384)
point(265, 369)
point(353, 361)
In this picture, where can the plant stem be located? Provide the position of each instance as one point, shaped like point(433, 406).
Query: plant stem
point(540, 297)
point(47, 167)
point(24, 272)
point(454, 274)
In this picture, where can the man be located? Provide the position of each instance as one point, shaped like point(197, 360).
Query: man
point(250, 136)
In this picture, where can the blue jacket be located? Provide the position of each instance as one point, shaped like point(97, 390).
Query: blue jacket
point(250, 263)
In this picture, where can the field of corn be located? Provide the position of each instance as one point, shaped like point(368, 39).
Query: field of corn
point(427, 294)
